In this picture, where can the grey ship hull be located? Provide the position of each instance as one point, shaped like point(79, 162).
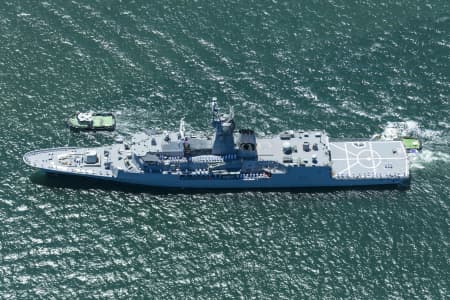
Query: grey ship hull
point(293, 178)
point(282, 183)
point(293, 159)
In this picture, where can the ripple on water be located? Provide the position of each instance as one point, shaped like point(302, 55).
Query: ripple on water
point(282, 65)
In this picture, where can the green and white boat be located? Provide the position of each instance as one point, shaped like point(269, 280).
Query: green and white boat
point(92, 121)
point(412, 144)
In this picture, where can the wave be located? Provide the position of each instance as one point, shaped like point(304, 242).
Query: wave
point(432, 141)
point(429, 136)
point(428, 156)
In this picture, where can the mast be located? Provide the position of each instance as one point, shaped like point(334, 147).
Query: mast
point(214, 110)
point(224, 126)
point(182, 130)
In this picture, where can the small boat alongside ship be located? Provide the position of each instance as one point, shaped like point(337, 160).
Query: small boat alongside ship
point(92, 121)
point(400, 131)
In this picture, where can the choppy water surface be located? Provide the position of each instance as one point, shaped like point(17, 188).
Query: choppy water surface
point(346, 66)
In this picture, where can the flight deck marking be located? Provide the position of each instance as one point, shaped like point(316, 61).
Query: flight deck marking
point(387, 158)
point(377, 159)
point(373, 161)
point(406, 161)
point(348, 168)
point(359, 145)
point(345, 150)
point(348, 162)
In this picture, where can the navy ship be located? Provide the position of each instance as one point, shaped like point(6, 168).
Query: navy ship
point(234, 159)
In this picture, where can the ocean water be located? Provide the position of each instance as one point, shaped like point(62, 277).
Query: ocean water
point(345, 66)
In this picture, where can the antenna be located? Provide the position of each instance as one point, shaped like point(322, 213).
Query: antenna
point(214, 108)
point(231, 112)
point(182, 129)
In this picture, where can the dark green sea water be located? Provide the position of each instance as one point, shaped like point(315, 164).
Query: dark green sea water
point(345, 66)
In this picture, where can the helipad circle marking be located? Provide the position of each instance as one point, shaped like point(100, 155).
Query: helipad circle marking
point(370, 162)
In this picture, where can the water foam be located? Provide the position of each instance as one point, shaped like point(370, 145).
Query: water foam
point(430, 138)
point(433, 136)
point(429, 156)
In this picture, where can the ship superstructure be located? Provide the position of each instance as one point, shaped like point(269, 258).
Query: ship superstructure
point(232, 159)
